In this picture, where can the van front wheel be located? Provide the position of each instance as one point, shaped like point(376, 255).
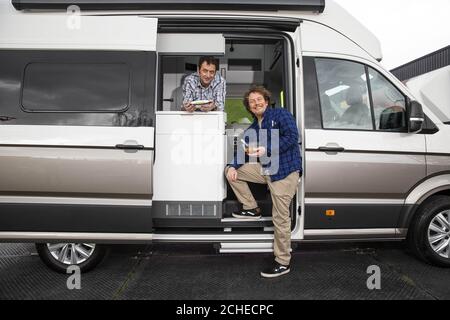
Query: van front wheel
point(60, 256)
point(431, 231)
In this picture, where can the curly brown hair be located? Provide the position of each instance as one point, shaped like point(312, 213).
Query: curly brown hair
point(257, 89)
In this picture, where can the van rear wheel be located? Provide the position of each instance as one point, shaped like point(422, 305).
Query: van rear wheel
point(430, 237)
point(59, 256)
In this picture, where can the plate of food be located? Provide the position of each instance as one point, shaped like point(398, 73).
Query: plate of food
point(200, 102)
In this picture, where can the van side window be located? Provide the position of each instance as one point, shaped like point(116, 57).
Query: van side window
point(344, 95)
point(76, 87)
point(388, 103)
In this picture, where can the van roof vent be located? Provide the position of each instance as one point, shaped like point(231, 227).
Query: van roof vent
point(269, 5)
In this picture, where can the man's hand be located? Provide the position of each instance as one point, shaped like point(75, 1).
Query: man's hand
point(188, 106)
point(232, 174)
point(257, 152)
point(208, 107)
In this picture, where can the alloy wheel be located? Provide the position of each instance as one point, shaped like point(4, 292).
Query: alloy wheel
point(439, 234)
point(71, 253)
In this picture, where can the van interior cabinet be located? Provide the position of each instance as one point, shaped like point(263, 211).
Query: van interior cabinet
point(189, 178)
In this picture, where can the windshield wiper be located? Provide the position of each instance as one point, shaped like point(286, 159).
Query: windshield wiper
point(6, 118)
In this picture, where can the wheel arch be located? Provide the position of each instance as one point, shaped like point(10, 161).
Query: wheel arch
point(419, 194)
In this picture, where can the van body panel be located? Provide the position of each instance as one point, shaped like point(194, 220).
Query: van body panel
point(437, 142)
point(37, 217)
point(76, 136)
point(373, 166)
point(207, 44)
point(52, 31)
point(81, 200)
point(438, 164)
point(379, 164)
point(351, 215)
point(85, 237)
point(51, 171)
point(321, 38)
point(362, 174)
point(428, 187)
point(343, 22)
point(353, 234)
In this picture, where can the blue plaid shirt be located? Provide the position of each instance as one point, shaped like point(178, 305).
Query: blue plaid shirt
point(287, 150)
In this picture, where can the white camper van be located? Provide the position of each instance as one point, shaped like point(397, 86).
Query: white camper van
point(94, 148)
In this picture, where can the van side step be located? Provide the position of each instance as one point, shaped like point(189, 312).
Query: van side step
point(264, 219)
point(245, 247)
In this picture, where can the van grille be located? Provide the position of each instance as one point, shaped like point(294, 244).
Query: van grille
point(191, 210)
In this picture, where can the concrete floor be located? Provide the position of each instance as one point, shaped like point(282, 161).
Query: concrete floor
point(161, 272)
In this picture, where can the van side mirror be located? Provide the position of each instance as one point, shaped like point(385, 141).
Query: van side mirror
point(415, 117)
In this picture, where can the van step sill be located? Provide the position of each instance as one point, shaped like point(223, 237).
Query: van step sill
point(242, 247)
point(262, 219)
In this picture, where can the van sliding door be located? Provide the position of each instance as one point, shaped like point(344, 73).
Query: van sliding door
point(77, 123)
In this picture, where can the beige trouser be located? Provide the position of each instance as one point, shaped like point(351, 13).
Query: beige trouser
point(282, 192)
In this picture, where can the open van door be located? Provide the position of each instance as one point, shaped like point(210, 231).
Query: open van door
point(76, 153)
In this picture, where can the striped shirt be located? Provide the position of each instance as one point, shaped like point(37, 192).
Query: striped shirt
point(216, 91)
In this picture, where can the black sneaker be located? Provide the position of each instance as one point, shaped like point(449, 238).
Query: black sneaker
point(275, 271)
point(252, 214)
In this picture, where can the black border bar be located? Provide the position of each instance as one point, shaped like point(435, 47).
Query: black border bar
point(269, 5)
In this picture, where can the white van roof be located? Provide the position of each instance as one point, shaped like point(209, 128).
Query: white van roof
point(328, 13)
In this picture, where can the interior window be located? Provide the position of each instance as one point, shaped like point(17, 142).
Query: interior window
point(388, 103)
point(343, 94)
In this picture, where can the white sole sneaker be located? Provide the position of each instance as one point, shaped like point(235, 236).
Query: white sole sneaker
point(274, 275)
point(245, 218)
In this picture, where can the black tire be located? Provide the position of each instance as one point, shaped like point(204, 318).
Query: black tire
point(418, 236)
point(97, 256)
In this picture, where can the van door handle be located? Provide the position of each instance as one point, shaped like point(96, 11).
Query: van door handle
point(6, 118)
point(130, 146)
point(331, 149)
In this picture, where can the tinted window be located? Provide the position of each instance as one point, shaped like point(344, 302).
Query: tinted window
point(76, 87)
point(388, 103)
point(311, 95)
point(343, 93)
point(94, 94)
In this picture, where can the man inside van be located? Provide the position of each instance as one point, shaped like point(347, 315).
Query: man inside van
point(204, 90)
point(280, 145)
